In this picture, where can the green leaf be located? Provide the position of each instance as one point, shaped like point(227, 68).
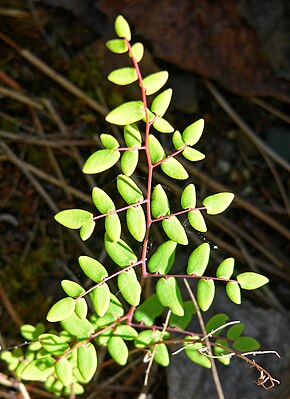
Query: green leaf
point(177, 140)
point(38, 369)
point(155, 149)
point(130, 287)
point(221, 353)
point(226, 268)
point(117, 46)
point(81, 308)
point(129, 190)
point(146, 337)
point(120, 252)
point(127, 333)
point(122, 28)
point(183, 321)
point(71, 288)
point(161, 355)
point(169, 295)
point(192, 154)
point(197, 221)
point(53, 344)
point(102, 201)
point(163, 258)
point(61, 310)
point(193, 132)
point(198, 260)
point(246, 344)
point(113, 226)
point(73, 218)
point(63, 370)
point(251, 281)
point(77, 327)
point(216, 321)
point(101, 160)
point(123, 76)
point(100, 297)
point(109, 141)
point(174, 230)
point(161, 125)
point(129, 161)
point(30, 332)
point(191, 349)
point(234, 292)
point(136, 222)
point(118, 350)
point(235, 331)
point(92, 268)
point(188, 197)
point(138, 51)
point(217, 203)
point(161, 102)
point(87, 229)
point(159, 202)
point(87, 361)
point(132, 136)
point(154, 82)
point(127, 113)
point(205, 293)
point(148, 310)
point(173, 168)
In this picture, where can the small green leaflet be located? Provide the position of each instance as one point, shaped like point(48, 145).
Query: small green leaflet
point(118, 350)
point(102, 201)
point(246, 344)
point(101, 160)
point(177, 140)
point(123, 76)
point(138, 51)
point(71, 288)
point(127, 113)
point(122, 28)
point(73, 218)
point(198, 260)
point(161, 102)
point(174, 230)
point(205, 293)
point(163, 258)
point(136, 222)
point(63, 370)
point(149, 310)
point(235, 331)
point(173, 168)
point(192, 154)
point(61, 310)
point(218, 203)
point(30, 332)
point(159, 202)
point(53, 344)
point(117, 46)
point(154, 82)
point(197, 221)
point(193, 132)
point(100, 297)
point(87, 361)
point(132, 136)
point(92, 268)
point(120, 252)
point(226, 268)
point(127, 333)
point(155, 149)
point(169, 295)
point(109, 141)
point(251, 281)
point(221, 352)
point(87, 229)
point(39, 369)
point(77, 327)
point(234, 292)
point(129, 190)
point(129, 161)
point(113, 226)
point(81, 308)
point(216, 321)
point(162, 125)
point(130, 287)
point(188, 197)
point(191, 349)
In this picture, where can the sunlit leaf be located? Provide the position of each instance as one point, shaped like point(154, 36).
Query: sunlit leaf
point(192, 154)
point(198, 260)
point(162, 125)
point(113, 226)
point(130, 287)
point(102, 201)
point(87, 229)
point(161, 102)
point(197, 221)
point(136, 222)
point(155, 149)
point(174, 230)
point(122, 27)
point(127, 333)
point(193, 132)
point(53, 344)
point(38, 369)
point(118, 350)
point(132, 136)
point(100, 297)
point(161, 355)
point(72, 288)
point(191, 349)
point(92, 268)
point(169, 295)
point(120, 252)
point(137, 51)
point(87, 361)
point(77, 327)
point(188, 197)
point(154, 82)
point(73, 218)
point(205, 293)
point(218, 203)
point(61, 310)
point(123, 76)
point(109, 141)
point(81, 308)
point(173, 168)
point(159, 202)
point(234, 292)
point(63, 370)
point(129, 161)
point(177, 140)
point(251, 281)
point(127, 113)
point(226, 268)
point(101, 160)
point(163, 258)
point(129, 190)
point(117, 46)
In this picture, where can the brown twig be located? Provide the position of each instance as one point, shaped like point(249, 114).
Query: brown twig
point(271, 109)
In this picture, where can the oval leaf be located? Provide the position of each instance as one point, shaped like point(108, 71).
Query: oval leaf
point(38, 369)
point(205, 293)
point(174, 230)
point(122, 28)
point(173, 168)
point(192, 352)
point(198, 260)
point(87, 229)
point(161, 102)
point(246, 344)
point(154, 82)
point(120, 252)
point(127, 333)
point(53, 344)
point(101, 160)
point(92, 268)
point(118, 350)
point(137, 51)
point(234, 292)
point(117, 46)
point(162, 125)
point(129, 161)
point(193, 132)
point(226, 268)
point(87, 361)
point(192, 154)
point(177, 140)
point(113, 226)
point(129, 190)
point(159, 202)
point(197, 221)
point(163, 258)
point(218, 203)
point(61, 310)
point(235, 331)
point(216, 321)
point(77, 327)
point(251, 281)
point(100, 297)
point(71, 288)
point(132, 136)
point(136, 222)
point(73, 218)
point(127, 113)
point(188, 197)
point(169, 295)
point(130, 287)
point(123, 76)
point(63, 370)
point(102, 201)
point(161, 355)
point(81, 308)
point(155, 149)
point(109, 141)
